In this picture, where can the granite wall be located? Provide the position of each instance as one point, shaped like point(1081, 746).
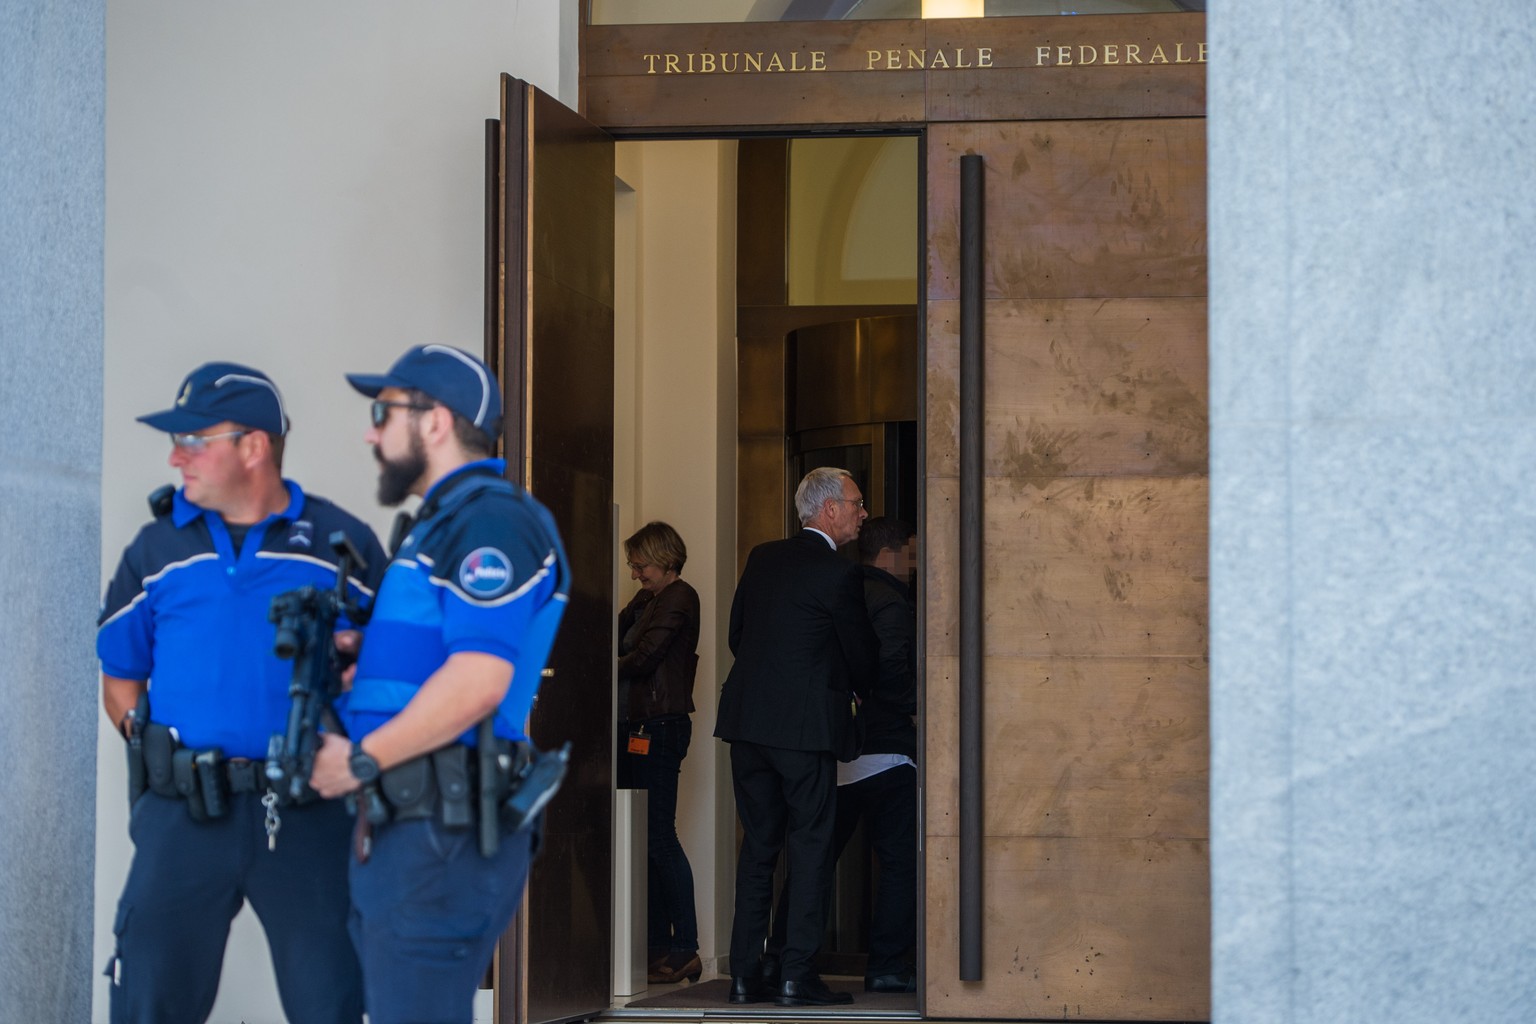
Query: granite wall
point(1373, 287)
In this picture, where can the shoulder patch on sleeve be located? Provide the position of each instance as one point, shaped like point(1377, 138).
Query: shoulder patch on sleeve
point(485, 572)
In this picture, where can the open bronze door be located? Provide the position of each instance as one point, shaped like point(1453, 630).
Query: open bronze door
point(549, 337)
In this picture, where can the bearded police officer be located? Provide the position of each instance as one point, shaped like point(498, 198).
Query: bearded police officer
point(463, 625)
point(190, 677)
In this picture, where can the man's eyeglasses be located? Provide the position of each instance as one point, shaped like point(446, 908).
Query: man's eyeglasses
point(194, 443)
point(378, 410)
point(859, 502)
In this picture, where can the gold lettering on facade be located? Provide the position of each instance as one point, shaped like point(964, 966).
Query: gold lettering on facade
point(1058, 55)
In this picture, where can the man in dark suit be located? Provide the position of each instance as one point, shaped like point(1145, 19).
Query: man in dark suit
point(802, 641)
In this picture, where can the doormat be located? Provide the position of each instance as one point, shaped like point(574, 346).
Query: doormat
point(710, 995)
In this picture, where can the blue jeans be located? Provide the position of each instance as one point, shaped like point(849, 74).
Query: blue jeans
point(673, 925)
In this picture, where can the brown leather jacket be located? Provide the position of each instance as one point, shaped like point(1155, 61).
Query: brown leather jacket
point(658, 651)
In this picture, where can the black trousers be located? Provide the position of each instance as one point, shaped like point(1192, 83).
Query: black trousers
point(887, 804)
point(785, 799)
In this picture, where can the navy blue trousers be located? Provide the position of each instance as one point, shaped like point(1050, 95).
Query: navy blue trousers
point(189, 879)
point(427, 910)
point(673, 923)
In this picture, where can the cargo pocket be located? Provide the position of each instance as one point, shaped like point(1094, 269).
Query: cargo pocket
point(436, 941)
point(114, 969)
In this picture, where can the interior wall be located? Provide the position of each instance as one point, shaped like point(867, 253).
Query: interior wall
point(298, 186)
point(675, 419)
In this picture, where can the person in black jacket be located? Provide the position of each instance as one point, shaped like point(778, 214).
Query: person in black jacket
point(880, 786)
point(658, 644)
point(802, 641)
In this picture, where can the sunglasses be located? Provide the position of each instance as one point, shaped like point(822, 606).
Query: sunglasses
point(194, 443)
point(378, 409)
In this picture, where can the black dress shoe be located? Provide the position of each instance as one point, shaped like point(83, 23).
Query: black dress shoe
point(906, 981)
point(747, 988)
point(810, 991)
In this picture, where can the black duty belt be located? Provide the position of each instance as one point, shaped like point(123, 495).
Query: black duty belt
point(246, 776)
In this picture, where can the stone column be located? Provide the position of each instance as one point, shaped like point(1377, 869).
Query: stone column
point(51, 200)
point(1373, 534)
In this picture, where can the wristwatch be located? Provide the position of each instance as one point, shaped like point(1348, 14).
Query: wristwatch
point(364, 768)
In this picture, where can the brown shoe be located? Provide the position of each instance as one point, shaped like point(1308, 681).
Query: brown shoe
point(674, 968)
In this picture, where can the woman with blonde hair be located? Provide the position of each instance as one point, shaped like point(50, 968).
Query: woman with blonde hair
point(658, 645)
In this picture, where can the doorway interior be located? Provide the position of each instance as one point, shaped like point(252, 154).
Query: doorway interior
point(767, 320)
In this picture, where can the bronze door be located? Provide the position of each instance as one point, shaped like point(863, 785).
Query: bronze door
point(1094, 830)
point(550, 336)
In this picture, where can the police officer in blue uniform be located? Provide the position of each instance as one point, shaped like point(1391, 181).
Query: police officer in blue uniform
point(190, 677)
point(459, 637)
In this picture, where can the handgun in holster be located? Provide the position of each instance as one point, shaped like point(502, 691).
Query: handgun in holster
point(138, 774)
point(532, 790)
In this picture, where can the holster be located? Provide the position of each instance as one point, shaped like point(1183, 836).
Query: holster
point(184, 776)
point(138, 775)
point(159, 746)
point(451, 766)
point(408, 788)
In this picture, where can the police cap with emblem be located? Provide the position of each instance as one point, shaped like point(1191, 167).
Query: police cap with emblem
point(450, 376)
point(217, 393)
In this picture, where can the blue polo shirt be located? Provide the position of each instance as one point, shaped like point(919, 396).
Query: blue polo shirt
point(188, 614)
point(482, 569)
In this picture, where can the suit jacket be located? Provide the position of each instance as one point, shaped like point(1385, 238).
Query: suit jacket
point(802, 640)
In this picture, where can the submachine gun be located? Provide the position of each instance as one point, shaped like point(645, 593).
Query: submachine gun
point(306, 626)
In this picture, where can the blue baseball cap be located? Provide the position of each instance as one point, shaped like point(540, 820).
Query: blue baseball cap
point(451, 376)
point(218, 392)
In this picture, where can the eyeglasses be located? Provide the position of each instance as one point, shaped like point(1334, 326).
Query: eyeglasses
point(852, 501)
point(378, 410)
point(638, 566)
point(194, 443)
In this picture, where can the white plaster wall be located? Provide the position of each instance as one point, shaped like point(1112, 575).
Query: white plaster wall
point(1373, 521)
point(676, 446)
point(296, 185)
